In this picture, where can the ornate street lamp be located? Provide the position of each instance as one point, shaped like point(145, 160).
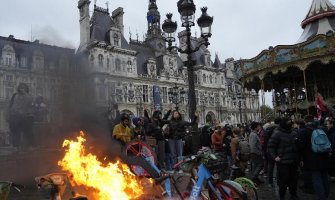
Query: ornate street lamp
point(176, 95)
point(239, 99)
point(187, 8)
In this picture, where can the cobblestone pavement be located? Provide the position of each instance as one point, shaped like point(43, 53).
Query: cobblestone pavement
point(265, 193)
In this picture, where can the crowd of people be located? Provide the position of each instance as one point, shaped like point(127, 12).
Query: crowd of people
point(291, 148)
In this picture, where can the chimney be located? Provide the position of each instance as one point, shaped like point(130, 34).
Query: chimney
point(117, 16)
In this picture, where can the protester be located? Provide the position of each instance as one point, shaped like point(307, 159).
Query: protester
point(205, 137)
point(316, 164)
point(331, 135)
point(154, 129)
point(282, 149)
point(269, 163)
point(217, 140)
point(177, 131)
point(239, 155)
point(122, 131)
point(139, 130)
point(256, 152)
point(21, 119)
point(227, 140)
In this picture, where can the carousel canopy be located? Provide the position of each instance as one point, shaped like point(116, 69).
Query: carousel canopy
point(319, 20)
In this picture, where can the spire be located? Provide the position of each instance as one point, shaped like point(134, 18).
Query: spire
point(153, 18)
point(319, 20)
point(319, 9)
point(217, 62)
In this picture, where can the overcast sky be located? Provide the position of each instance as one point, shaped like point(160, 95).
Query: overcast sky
point(241, 28)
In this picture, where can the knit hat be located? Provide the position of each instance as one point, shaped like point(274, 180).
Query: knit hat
point(136, 120)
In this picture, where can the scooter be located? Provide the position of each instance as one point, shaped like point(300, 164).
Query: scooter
point(55, 184)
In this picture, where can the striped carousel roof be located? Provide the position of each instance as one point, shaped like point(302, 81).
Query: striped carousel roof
point(319, 20)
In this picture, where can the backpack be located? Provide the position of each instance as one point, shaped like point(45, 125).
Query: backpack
point(320, 142)
point(244, 149)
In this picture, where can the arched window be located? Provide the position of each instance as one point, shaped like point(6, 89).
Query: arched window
point(92, 60)
point(108, 62)
point(101, 60)
point(116, 40)
point(117, 64)
point(210, 79)
point(204, 78)
point(129, 66)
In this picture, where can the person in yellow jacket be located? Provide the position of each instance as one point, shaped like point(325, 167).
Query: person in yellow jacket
point(122, 131)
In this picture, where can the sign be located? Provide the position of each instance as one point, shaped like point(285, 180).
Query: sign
point(157, 97)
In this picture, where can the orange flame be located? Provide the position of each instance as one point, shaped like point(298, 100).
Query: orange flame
point(110, 181)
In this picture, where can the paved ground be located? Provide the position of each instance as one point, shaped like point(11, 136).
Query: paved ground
point(265, 193)
point(22, 167)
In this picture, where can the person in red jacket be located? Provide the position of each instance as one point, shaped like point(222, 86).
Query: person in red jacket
point(217, 140)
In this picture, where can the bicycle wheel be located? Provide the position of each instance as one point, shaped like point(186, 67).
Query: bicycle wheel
point(231, 190)
point(249, 187)
point(140, 149)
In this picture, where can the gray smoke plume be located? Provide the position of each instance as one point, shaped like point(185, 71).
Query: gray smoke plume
point(49, 35)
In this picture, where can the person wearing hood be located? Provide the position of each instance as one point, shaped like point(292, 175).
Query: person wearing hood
point(282, 149)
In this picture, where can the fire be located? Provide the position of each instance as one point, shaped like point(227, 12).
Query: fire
point(110, 181)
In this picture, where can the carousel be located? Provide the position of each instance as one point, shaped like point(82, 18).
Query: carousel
point(301, 77)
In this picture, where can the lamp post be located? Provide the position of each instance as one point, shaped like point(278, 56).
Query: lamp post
point(187, 8)
point(239, 99)
point(176, 95)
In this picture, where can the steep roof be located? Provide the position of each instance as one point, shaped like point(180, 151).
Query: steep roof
point(101, 23)
point(319, 20)
point(143, 54)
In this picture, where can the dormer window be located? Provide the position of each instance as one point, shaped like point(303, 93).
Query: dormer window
point(8, 56)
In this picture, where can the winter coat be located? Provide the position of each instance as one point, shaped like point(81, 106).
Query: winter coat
point(283, 144)
point(217, 141)
point(154, 128)
point(122, 133)
point(255, 144)
point(177, 128)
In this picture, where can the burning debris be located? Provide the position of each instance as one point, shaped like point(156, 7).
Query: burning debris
point(106, 180)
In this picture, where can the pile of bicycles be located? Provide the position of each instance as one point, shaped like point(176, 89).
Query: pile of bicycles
point(200, 176)
point(194, 177)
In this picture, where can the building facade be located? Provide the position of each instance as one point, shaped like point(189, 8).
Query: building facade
point(129, 73)
point(107, 69)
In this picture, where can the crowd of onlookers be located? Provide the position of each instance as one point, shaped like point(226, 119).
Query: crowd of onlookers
point(283, 144)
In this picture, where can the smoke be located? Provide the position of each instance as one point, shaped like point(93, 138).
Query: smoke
point(49, 35)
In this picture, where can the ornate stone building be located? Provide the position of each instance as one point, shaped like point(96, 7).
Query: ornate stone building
point(111, 70)
point(47, 70)
point(128, 73)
